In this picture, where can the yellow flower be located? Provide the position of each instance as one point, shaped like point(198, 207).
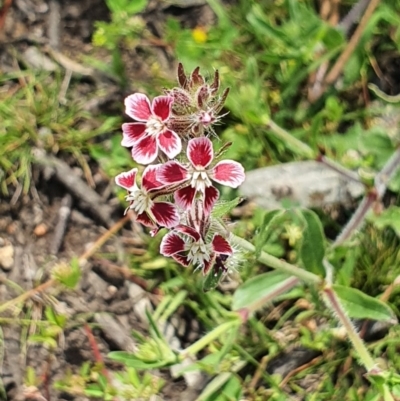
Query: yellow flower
point(199, 34)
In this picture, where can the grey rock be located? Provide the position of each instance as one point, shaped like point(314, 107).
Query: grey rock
point(308, 184)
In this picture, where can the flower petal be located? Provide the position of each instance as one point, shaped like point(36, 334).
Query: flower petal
point(170, 143)
point(165, 214)
point(211, 195)
point(146, 220)
point(145, 151)
point(190, 231)
point(173, 172)
point(183, 260)
point(162, 106)
point(171, 243)
point(228, 172)
point(137, 106)
point(149, 177)
point(184, 197)
point(200, 152)
point(221, 245)
point(197, 218)
point(127, 179)
point(208, 263)
point(132, 132)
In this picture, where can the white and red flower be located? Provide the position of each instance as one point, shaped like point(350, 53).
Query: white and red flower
point(150, 212)
point(199, 174)
point(151, 133)
point(187, 246)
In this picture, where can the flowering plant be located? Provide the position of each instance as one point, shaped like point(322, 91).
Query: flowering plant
point(177, 192)
point(172, 136)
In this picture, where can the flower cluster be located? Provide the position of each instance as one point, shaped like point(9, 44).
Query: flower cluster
point(171, 136)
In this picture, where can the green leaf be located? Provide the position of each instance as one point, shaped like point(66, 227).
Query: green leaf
point(128, 6)
point(231, 390)
point(132, 361)
point(68, 275)
point(377, 143)
point(209, 364)
point(224, 387)
point(313, 245)
point(212, 279)
point(272, 219)
point(258, 288)
point(362, 306)
point(221, 209)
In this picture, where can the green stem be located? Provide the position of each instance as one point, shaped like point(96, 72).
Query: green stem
point(358, 344)
point(276, 263)
point(293, 143)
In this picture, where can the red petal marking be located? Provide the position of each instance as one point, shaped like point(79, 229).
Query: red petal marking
point(228, 172)
point(211, 195)
point(190, 231)
point(221, 245)
point(172, 173)
point(137, 106)
point(197, 218)
point(132, 132)
point(165, 214)
point(127, 180)
point(184, 197)
point(171, 244)
point(145, 151)
point(149, 177)
point(183, 260)
point(145, 220)
point(162, 106)
point(170, 143)
point(208, 264)
point(200, 152)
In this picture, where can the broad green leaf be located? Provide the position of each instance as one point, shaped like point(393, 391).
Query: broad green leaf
point(221, 209)
point(270, 222)
point(259, 288)
point(362, 306)
point(313, 245)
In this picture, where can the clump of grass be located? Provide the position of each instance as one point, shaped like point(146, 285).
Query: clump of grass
point(34, 115)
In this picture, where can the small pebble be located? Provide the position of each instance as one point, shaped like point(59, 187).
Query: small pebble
point(7, 257)
point(40, 230)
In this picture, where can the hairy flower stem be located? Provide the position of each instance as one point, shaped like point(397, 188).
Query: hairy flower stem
point(358, 344)
point(278, 264)
point(293, 143)
point(339, 169)
point(28, 294)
